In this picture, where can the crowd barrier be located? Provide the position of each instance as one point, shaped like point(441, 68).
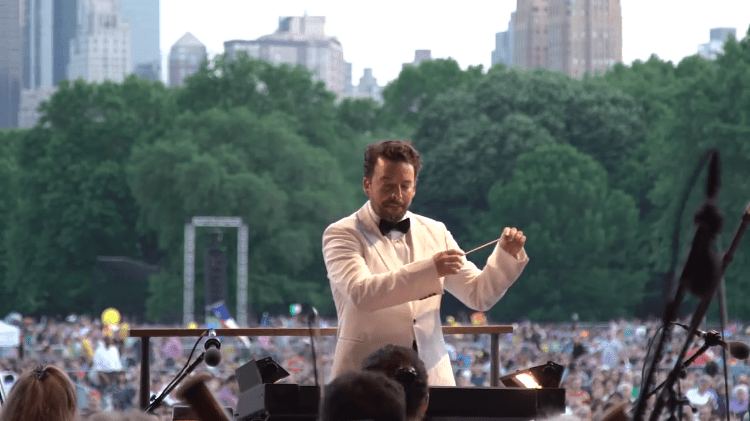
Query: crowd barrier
point(147, 334)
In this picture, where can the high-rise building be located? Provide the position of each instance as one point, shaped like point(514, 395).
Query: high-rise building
point(101, 48)
point(11, 61)
point(348, 88)
point(568, 35)
point(718, 36)
point(368, 87)
point(65, 25)
point(421, 55)
point(299, 40)
point(38, 51)
point(143, 18)
point(28, 110)
point(48, 26)
point(503, 52)
point(185, 58)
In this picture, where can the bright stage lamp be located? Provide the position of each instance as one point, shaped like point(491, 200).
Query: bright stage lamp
point(543, 376)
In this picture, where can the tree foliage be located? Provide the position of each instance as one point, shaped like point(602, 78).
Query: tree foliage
point(471, 138)
point(73, 202)
point(592, 170)
point(582, 234)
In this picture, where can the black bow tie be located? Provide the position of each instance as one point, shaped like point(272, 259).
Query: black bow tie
point(388, 226)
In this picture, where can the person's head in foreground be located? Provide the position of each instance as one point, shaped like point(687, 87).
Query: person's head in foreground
point(131, 415)
point(363, 395)
point(390, 177)
point(44, 393)
point(403, 365)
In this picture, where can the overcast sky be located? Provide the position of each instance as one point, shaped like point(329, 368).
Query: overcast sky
point(384, 34)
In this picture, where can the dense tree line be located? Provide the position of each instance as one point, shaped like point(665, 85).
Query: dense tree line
point(592, 170)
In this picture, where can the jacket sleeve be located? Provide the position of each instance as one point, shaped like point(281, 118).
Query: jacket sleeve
point(480, 290)
point(343, 252)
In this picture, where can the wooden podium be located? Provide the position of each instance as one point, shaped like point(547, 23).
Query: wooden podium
point(147, 334)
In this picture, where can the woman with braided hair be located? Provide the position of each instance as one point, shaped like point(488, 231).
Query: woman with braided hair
point(44, 393)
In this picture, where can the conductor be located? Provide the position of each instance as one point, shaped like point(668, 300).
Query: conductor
point(388, 268)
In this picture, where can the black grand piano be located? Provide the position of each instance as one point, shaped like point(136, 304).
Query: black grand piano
point(294, 402)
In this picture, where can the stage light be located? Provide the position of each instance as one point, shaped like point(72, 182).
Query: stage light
point(542, 376)
point(254, 373)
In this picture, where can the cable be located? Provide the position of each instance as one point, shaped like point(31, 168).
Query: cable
point(183, 367)
point(648, 352)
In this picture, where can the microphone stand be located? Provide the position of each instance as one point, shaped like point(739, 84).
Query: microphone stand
point(158, 401)
point(312, 320)
point(700, 312)
point(713, 338)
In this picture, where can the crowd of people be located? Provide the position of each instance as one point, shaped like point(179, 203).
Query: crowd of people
point(603, 363)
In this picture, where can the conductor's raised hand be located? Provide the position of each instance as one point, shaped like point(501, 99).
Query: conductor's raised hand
point(512, 241)
point(448, 262)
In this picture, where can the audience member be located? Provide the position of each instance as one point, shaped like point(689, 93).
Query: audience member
point(702, 394)
point(44, 393)
point(363, 395)
point(403, 365)
point(132, 415)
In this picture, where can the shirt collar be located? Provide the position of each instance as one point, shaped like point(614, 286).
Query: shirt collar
point(393, 235)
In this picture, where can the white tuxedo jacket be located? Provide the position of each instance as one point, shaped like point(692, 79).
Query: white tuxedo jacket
point(380, 301)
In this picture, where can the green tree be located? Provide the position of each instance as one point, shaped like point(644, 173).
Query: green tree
point(264, 88)
point(73, 201)
point(581, 237)
point(471, 138)
point(709, 111)
point(9, 141)
point(417, 86)
point(234, 162)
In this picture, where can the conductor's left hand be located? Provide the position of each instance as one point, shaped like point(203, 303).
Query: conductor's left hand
point(512, 241)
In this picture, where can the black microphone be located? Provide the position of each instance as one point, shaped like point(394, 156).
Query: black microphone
point(701, 272)
point(212, 346)
point(738, 350)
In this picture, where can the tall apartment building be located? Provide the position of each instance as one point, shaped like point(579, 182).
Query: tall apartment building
point(348, 87)
point(38, 45)
point(419, 56)
point(101, 48)
point(11, 62)
point(368, 87)
point(568, 35)
point(503, 52)
point(718, 36)
point(299, 40)
point(31, 99)
point(65, 26)
point(47, 28)
point(143, 18)
point(185, 58)
point(422, 55)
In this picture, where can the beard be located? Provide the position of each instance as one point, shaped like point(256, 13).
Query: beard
point(392, 210)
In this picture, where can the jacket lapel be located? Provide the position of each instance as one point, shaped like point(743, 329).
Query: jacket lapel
point(371, 233)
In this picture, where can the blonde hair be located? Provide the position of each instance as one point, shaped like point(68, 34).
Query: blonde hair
point(44, 393)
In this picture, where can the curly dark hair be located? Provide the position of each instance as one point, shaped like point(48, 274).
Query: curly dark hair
point(403, 365)
point(363, 395)
point(392, 150)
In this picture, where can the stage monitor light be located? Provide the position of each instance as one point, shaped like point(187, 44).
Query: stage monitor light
point(542, 376)
point(254, 373)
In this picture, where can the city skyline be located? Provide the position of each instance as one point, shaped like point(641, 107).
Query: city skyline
point(382, 40)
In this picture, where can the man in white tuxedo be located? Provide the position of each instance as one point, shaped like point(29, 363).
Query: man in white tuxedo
point(388, 269)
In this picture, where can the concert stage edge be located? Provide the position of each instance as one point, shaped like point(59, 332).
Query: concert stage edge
point(301, 402)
